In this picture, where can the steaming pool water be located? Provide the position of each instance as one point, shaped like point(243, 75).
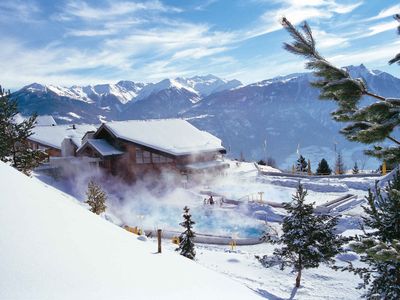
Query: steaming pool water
point(208, 220)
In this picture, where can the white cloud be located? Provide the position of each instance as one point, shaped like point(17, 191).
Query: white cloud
point(298, 11)
point(205, 4)
point(375, 54)
point(17, 10)
point(388, 12)
point(82, 10)
point(327, 40)
point(379, 28)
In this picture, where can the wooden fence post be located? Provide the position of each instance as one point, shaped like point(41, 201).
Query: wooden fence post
point(159, 239)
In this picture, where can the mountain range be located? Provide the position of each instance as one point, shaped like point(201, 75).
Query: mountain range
point(273, 118)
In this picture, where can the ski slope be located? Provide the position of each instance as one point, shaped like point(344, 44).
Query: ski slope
point(53, 248)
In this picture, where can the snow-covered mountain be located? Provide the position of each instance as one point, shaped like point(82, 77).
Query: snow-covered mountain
point(209, 84)
point(283, 111)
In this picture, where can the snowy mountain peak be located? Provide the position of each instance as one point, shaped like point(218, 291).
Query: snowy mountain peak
point(208, 84)
point(35, 87)
point(130, 85)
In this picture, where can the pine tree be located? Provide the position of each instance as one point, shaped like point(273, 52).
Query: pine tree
point(261, 162)
point(13, 143)
point(355, 168)
point(323, 168)
point(367, 124)
point(96, 198)
point(380, 249)
point(301, 165)
point(186, 245)
point(308, 239)
point(339, 166)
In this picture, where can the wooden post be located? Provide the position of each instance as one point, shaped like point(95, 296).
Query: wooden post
point(159, 239)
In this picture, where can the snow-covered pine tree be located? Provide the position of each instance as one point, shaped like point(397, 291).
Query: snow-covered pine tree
point(367, 124)
point(13, 142)
point(96, 198)
point(308, 239)
point(339, 166)
point(380, 249)
point(355, 169)
point(301, 164)
point(186, 244)
point(323, 168)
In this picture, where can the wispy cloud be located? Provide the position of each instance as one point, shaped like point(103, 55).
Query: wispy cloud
point(17, 10)
point(381, 27)
point(299, 11)
point(82, 10)
point(369, 55)
point(388, 12)
point(95, 42)
point(205, 4)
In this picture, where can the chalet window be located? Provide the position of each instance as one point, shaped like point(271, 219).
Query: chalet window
point(146, 157)
point(156, 158)
point(142, 156)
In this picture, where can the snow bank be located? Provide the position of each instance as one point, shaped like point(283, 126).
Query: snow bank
point(52, 248)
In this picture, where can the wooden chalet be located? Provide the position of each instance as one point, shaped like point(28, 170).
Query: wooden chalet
point(59, 140)
point(132, 148)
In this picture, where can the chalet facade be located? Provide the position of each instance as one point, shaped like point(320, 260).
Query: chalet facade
point(133, 148)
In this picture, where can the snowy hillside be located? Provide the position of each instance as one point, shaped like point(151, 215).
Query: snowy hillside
point(53, 248)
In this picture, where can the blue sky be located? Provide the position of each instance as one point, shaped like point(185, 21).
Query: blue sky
point(86, 42)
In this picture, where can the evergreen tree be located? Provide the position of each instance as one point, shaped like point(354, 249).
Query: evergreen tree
point(96, 198)
point(301, 165)
point(323, 168)
point(355, 168)
point(380, 249)
point(339, 166)
point(14, 147)
point(367, 124)
point(186, 245)
point(307, 239)
point(261, 162)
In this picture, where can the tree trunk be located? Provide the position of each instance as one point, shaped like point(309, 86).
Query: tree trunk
point(300, 266)
point(298, 278)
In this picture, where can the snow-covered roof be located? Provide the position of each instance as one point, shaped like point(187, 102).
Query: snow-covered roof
point(101, 146)
point(173, 136)
point(44, 120)
point(53, 136)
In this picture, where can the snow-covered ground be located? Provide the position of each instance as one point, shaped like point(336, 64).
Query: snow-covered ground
point(53, 248)
point(58, 231)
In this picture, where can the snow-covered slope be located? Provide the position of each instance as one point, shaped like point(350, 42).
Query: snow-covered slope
point(53, 248)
